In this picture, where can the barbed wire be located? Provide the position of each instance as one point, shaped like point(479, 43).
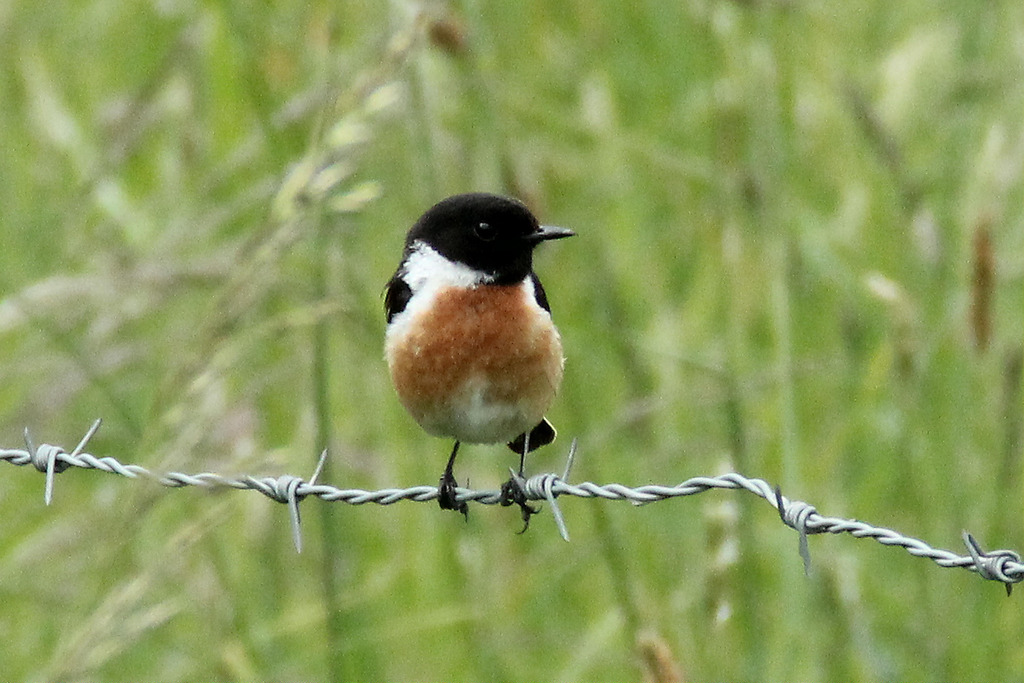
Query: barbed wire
point(1004, 566)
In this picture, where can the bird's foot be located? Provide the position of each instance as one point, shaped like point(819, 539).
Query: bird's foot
point(513, 493)
point(446, 495)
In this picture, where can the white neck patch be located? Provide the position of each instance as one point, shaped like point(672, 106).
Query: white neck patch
point(427, 268)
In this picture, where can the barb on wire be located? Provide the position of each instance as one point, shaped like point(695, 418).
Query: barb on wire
point(1004, 566)
point(290, 487)
point(795, 514)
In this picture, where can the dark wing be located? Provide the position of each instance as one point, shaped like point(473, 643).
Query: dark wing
point(541, 435)
point(396, 296)
point(538, 292)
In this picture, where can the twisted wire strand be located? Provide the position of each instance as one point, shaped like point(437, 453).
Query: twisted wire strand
point(1004, 566)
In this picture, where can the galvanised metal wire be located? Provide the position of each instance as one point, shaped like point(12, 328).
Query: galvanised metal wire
point(998, 565)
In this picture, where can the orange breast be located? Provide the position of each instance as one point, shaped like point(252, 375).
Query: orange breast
point(482, 364)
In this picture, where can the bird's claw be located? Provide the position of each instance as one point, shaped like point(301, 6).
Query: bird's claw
point(446, 497)
point(513, 493)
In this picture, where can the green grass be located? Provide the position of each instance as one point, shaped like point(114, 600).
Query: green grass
point(779, 208)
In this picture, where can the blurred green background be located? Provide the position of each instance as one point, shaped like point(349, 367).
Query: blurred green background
point(800, 257)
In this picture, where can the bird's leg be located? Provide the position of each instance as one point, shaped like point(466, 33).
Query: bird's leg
point(447, 485)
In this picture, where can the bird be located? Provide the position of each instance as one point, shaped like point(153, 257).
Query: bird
point(470, 345)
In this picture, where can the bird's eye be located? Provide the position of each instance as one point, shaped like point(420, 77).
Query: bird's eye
point(485, 231)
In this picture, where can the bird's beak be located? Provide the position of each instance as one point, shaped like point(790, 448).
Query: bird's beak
point(549, 232)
